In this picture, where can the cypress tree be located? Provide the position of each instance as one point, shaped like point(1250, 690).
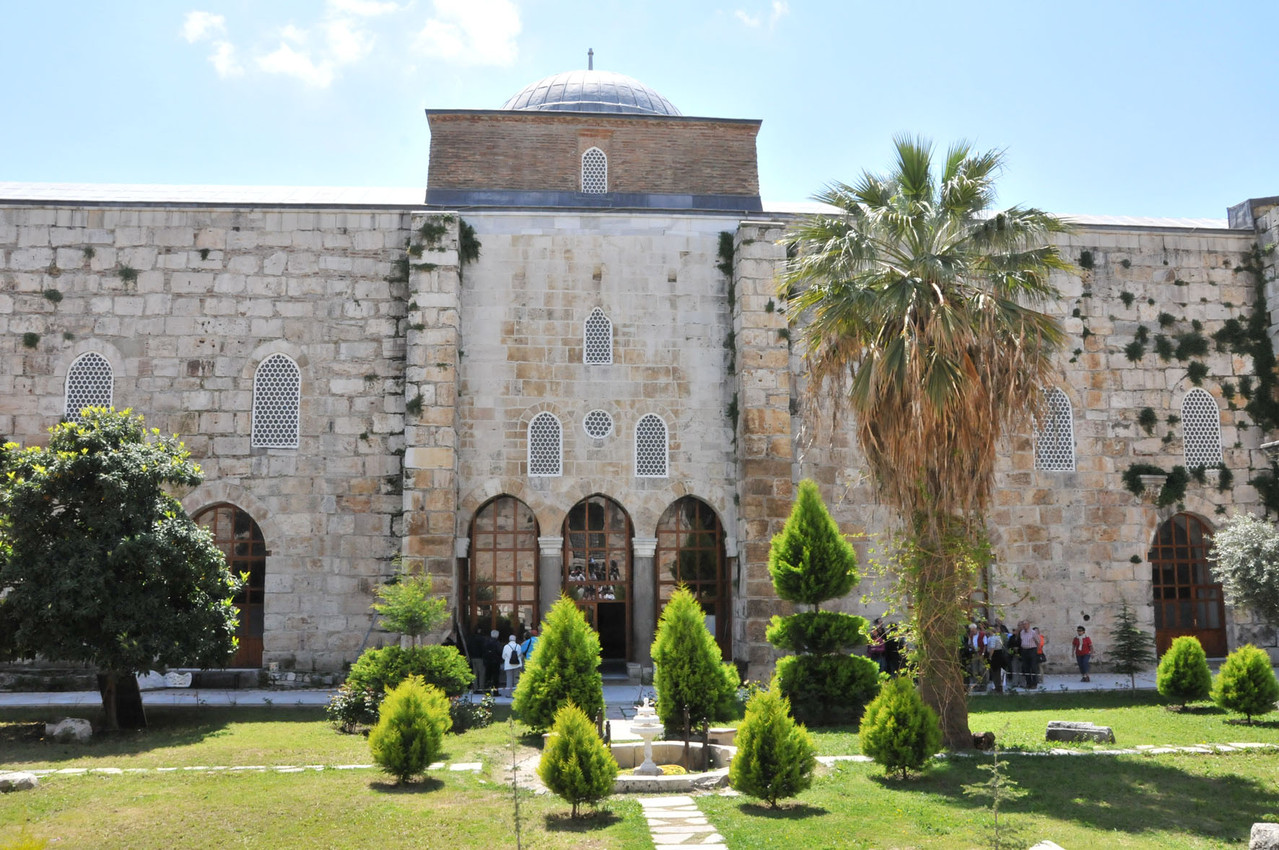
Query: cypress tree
point(775, 756)
point(575, 764)
point(409, 734)
point(1183, 674)
point(565, 668)
point(811, 562)
point(899, 731)
point(1246, 683)
point(688, 669)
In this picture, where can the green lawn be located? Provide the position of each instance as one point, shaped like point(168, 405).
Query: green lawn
point(1172, 801)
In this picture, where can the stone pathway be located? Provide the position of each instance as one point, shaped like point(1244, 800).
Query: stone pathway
point(675, 821)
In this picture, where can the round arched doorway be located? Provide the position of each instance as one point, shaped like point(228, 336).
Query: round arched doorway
point(500, 590)
point(597, 570)
point(690, 551)
point(240, 539)
point(1187, 600)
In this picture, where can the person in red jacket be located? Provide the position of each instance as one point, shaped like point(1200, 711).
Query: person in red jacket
point(1082, 645)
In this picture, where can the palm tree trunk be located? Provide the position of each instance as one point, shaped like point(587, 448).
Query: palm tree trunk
point(940, 594)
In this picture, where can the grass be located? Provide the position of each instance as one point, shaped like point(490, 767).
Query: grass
point(1147, 801)
point(330, 808)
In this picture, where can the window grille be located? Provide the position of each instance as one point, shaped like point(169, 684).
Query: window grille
point(277, 393)
point(594, 172)
point(597, 338)
point(90, 382)
point(1055, 435)
point(598, 424)
point(545, 445)
point(650, 447)
point(1201, 426)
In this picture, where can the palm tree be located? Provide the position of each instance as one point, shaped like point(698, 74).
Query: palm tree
point(919, 308)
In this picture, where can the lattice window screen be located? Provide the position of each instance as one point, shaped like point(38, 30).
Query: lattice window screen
point(1201, 425)
point(598, 424)
point(1055, 435)
point(90, 382)
point(277, 394)
point(594, 172)
point(597, 338)
point(650, 447)
point(545, 445)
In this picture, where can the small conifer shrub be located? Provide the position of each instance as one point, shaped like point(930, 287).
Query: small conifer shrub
point(1132, 648)
point(1184, 675)
point(898, 730)
point(775, 755)
point(565, 668)
point(575, 764)
point(410, 729)
point(689, 672)
point(1246, 683)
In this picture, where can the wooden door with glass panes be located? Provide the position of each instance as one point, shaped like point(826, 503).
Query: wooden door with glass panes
point(240, 539)
point(597, 570)
point(1187, 600)
point(501, 585)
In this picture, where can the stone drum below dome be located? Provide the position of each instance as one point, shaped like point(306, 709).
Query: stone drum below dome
point(590, 91)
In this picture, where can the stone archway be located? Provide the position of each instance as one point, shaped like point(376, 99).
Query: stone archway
point(240, 538)
point(1187, 601)
point(597, 571)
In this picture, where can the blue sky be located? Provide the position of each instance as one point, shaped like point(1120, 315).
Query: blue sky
point(1111, 108)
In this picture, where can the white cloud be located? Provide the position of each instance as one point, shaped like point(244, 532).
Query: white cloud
point(472, 32)
point(348, 43)
point(778, 10)
point(287, 61)
point(224, 60)
point(201, 25)
point(363, 8)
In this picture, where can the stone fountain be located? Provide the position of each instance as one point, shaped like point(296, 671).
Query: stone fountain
point(646, 725)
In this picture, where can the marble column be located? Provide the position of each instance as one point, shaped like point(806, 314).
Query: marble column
point(550, 573)
point(643, 603)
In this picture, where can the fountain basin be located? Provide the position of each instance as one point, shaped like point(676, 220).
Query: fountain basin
point(630, 755)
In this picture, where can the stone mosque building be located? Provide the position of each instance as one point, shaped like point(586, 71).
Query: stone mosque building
point(565, 370)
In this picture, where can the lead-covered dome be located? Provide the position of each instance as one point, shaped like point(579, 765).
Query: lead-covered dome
point(590, 91)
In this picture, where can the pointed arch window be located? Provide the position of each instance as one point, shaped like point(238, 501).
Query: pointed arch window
point(597, 338)
point(651, 447)
point(1201, 426)
point(1055, 434)
point(501, 578)
point(277, 394)
point(545, 445)
point(90, 383)
point(690, 552)
point(594, 172)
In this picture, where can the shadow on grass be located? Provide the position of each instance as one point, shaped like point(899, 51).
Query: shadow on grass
point(588, 822)
point(390, 786)
point(22, 730)
point(1070, 700)
point(1255, 724)
point(783, 811)
point(1125, 794)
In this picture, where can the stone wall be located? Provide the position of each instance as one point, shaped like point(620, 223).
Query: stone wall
point(216, 291)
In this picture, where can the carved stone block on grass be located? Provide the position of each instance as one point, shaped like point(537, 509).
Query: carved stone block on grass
point(1067, 730)
point(1265, 836)
point(69, 730)
point(17, 781)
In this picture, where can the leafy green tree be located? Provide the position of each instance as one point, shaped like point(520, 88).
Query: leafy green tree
point(101, 564)
point(689, 673)
point(899, 730)
point(924, 321)
point(1246, 683)
point(565, 668)
point(407, 606)
point(1132, 648)
point(1245, 559)
point(811, 562)
point(409, 734)
point(1183, 674)
point(775, 755)
point(378, 670)
point(575, 764)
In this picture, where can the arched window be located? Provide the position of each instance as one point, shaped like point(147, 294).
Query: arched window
point(277, 393)
point(690, 551)
point(650, 447)
point(240, 539)
point(597, 338)
point(1055, 434)
point(545, 445)
point(594, 172)
point(1201, 425)
point(597, 570)
point(90, 383)
point(501, 582)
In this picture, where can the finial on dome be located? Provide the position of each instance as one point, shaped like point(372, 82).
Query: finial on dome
point(590, 58)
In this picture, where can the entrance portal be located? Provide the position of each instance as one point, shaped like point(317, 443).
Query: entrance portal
point(597, 570)
point(1187, 600)
point(240, 539)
